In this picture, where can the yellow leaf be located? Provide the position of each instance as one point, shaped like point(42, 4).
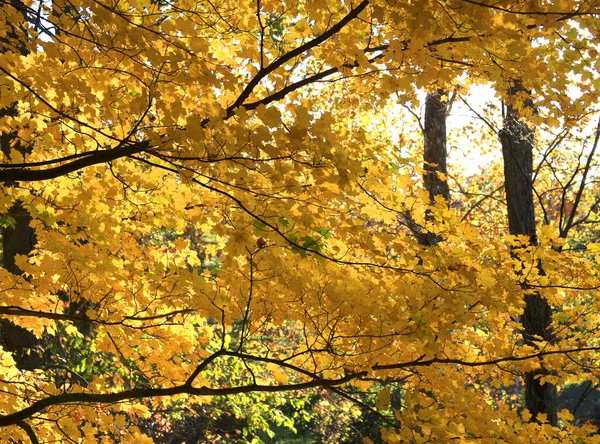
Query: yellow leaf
point(383, 399)
point(140, 410)
point(542, 418)
point(565, 415)
point(181, 244)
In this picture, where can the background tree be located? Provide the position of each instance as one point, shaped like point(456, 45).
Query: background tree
point(434, 145)
point(517, 140)
point(18, 237)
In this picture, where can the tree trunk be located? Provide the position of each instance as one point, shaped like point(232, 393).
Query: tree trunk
point(517, 150)
point(434, 156)
point(20, 238)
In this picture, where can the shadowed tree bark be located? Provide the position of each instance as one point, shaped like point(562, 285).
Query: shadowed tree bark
point(517, 140)
point(19, 238)
point(434, 156)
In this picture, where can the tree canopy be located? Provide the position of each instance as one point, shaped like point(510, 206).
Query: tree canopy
point(219, 198)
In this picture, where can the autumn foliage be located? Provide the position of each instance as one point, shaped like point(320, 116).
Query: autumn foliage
point(224, 199)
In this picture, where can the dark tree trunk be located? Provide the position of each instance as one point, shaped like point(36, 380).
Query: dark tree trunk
point(18, 239)
point(434, 132)
point(517, 150)
point(434, 157)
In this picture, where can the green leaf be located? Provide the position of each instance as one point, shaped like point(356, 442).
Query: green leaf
point(7, 222)
point(259, 226)
point(324, 232)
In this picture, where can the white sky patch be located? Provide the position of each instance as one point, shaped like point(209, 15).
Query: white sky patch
point(463, 154)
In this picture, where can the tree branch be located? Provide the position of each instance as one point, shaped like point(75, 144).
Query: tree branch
point(124, 149)
point(36, 407)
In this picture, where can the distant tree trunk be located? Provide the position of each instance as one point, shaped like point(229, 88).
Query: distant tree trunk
point(19, 239)
point(517, 150)
point(434, 156)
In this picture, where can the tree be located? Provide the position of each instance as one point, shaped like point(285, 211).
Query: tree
point(517, 140)
point(263, 126)
point(18, 237)
point(434, 145)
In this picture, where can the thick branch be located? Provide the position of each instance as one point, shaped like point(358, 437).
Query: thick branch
point(138, 393)
point(17, 311)
point(187, 388)
point(101, 156)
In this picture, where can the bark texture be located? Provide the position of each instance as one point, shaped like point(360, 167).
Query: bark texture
point(435, 145)
point(434, 157)
point(517, 140)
